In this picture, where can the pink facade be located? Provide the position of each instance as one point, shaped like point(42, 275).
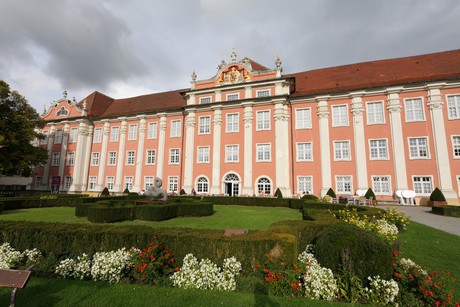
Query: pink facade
point(390, 125)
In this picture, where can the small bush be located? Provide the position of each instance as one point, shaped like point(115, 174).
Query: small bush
point(346, 247)
point(105, 192)
point(331, 193)
point(182, 192)
point(310, 198)
point(278, 193)
point(437, 195)
point(126, 191)
point(369, 194)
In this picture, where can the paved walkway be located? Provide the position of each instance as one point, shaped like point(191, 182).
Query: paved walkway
point(423, 215)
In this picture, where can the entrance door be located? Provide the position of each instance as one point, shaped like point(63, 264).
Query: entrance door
point(232, 184)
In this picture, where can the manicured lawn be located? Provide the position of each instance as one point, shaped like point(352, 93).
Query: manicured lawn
point(236, 217)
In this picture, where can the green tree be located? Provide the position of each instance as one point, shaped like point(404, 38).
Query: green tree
point(19, 126)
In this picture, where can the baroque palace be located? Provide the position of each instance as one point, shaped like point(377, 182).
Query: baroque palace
point(391, 125)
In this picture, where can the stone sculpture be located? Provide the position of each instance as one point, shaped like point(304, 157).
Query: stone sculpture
point(156, 192)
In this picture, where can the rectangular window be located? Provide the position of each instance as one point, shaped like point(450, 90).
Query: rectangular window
point(418, 148)
point(129, 183)
point(174, 156)
point(94, 158)
point(231, 153)
point(149, 181)
point(67, 182)
point(92, 183)
point(97, 138)
point(55, 159)
point(150, 159)
point(73, 135)
point(173, 183)
point(339, 116)
point(114, 133)
point(232, 123)
point(175, 128)
point(375, 113)
point(263, 120)
point(343, 184)
point(263, 152)
point(423, 185)
point(152, 131)
point(263, 93)
point(381, 184)
point(303, 118)
point(304, 184)
point(70, 158)
point(203, 154)
point(112, 158)
point(38, 182)
point(204, 125)
point(58, 137)
point(456, 146)
point(378, 149)
point(132, 132)
point(130, 157)
point(414, 109)
point(45, 139)
point(204, 100)
point(304, 152)
point(342, 150)
point(233, 97)
point(109, 182)
point(453, 105)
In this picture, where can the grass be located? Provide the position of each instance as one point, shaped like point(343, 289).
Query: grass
point(234, 217)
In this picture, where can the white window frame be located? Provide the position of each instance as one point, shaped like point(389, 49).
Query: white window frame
point(378, 184)
point(95, 157)
point(304, 154)
point(230, 153)
point(152, 130)
point(303, 118)
point(92, 181)
point(263, 120)
point(453, 106)
point(70, 160)
point(372, 114)
point(129, 183)
point(456, 146)
point(67, 182)
point(112, 160)
point(110, 182)
point(232, 122)
point(174, 155)
point(38, 182)
point(132, 132)
point(58, 136)
point(114, 133)
point(55, 157)
point(304, 184)
point(205, 100)
point(345, 190)
point(421, 188)
point(45, 140)
point(410, 111)
point(340, 116)
point(173, 183)
point(150, 157)
point(130, 157)
point(202, 155)
point(262, 93)
point(97, 135)
point(176, 127)
point(419, 148)
point(202, 185)
point(73, 135)
point(378, 149)
point(149, 181)
point(261, 185)
point(264, 152)
point(232, 96)
point(341, 149)
point(204, 124)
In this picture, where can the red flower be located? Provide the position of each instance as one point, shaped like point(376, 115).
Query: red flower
point(395, 254)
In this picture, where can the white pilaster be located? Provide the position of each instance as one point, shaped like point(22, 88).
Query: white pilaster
point(359, 140)
point(218, 96)
point(161, 146)
point(102, 162)
point(81, 156)
point(140, 156)
point(62, 155)
point(216, 143)
point(248, 149)
point(324, 144)
point(87, 157)
point(282, 157)
point(190, 123)
point(46, 171)
point(121, 157)
point(394, 108)
point(440, 144)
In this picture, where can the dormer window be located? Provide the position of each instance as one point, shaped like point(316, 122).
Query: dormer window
point(62, 112)
point(233, 97)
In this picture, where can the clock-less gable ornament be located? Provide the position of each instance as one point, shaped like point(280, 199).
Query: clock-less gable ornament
point(232, 75)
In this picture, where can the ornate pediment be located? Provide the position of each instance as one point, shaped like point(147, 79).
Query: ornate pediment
point(232, 75)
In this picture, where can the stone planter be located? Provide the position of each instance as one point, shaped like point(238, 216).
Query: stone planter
point(431, 203)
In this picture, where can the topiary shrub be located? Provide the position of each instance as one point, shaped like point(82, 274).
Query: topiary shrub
point(331, 193)
point(126, 191)
point(369, 194)
point(310, 198)
point(278, 193)
point(105, 192)
point(182, 192)
point(346, 247)
point(437, 195)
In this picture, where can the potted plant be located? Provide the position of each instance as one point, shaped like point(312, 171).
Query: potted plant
point(436, 198)
point(371, 196)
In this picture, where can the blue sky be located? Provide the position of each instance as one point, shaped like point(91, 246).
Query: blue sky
point(128, 48)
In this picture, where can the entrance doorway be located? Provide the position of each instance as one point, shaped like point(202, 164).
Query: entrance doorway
point(232, 184)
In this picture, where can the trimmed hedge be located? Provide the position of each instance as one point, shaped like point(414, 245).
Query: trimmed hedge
point(446, 210)
point(254, 201)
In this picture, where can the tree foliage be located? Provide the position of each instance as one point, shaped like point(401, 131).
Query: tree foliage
point(19, 126)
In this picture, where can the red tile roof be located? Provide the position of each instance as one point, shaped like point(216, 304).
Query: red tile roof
point(428, 67)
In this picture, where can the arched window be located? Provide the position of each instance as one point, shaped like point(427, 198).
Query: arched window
point(202, 185)
point(264, 186)
point(232, 184)
point(62, 111)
